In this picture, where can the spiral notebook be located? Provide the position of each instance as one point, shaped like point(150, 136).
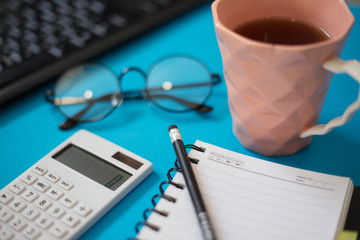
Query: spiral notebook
point(249, 198)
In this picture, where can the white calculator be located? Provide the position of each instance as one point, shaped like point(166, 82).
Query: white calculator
point(69, 189)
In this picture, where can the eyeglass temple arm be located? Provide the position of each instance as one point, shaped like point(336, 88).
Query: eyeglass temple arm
point(215, 79)
point(192, 105)
point(49, 97)
point(71, 122)
point(130, 95)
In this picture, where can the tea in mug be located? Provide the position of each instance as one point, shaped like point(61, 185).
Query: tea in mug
point(286, 31)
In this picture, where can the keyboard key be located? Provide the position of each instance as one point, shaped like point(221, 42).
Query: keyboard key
point(41, 186)
point(118, 20)
point(97, 7)
point(5, 197)
point(30, 213)
point(55, 52)
point(77, 41)
point(148, 6)
point(5, 215)
point(40, 170)
point(52, 177)
point(17, 224)
point(45, 6)
point(31, 232)
point(48, 16)
point(17, 188)
point(5, 234)
point(43, 203)
point(99, 30)
point(55, 193)
point(64, 10)
point(70, 220)
point(44, 222)
point(32, 25)
point(29, 195)
point(29, 178)
point(15, 57)
point(29, 13)
point(56, 211)
point(33, 48)
point(82, 209)
point(85, 24)
point(68, 201)
point(58, 231)
point(66, 185)
point(17, 205)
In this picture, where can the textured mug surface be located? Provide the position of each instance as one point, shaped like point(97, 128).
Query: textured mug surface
point(276, 92)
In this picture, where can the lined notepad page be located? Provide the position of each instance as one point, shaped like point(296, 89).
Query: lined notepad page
point(249, 198)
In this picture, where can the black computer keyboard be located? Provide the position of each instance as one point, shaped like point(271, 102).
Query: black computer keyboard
point(41, 38)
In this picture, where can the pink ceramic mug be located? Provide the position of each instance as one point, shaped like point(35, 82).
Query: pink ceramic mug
point(276, 92)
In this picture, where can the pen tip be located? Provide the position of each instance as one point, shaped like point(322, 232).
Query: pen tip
point(172, 127)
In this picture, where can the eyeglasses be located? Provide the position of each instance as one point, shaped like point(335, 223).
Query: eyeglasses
point(90, 92)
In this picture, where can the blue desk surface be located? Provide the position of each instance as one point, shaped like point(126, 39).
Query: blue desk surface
point(29, 125)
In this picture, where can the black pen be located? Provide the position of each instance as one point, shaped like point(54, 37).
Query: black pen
point(191, 183)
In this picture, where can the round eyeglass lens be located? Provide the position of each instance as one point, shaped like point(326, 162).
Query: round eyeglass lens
point(179, 83)
point(87, 93)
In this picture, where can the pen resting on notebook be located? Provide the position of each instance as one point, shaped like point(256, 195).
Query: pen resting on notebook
point(191, 183)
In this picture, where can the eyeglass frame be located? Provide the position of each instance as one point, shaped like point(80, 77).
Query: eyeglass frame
point(139, 94)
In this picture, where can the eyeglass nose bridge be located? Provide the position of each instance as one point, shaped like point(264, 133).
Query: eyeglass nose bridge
point(129, 69)
point(135, 94)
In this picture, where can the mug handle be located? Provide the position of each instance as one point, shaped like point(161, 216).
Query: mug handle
point(336, 65)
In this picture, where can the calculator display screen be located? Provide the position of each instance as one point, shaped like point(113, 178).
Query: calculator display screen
point(92, 166)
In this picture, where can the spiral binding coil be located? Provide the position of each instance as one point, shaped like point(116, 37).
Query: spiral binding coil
point(163, 195)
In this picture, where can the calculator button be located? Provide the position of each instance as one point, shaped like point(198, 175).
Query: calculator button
point(82, 209)
point(31, 232)
point(17, 224)
point(42, 203)
point(70, 220)
point(44, 222)
point(5, 215)
point(58, 231)
point(5, 197)
point(68, 201)
point(41, 186)
point(56, 211)
point(5, 234)
point(17, 188)
point(66, 185)
point(29, 178)
point(29, 195)
point(30, 213)
point(55, 194)
point(52, 177)
point(17, 205)
point(40, 170)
